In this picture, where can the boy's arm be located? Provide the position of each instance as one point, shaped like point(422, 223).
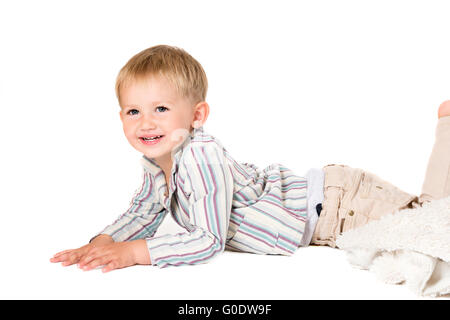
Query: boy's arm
point(142, 218)
point(209, 210)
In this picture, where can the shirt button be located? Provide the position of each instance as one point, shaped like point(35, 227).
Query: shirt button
point(351, 213)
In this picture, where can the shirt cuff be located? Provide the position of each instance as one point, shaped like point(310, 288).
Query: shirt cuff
point(157, 248)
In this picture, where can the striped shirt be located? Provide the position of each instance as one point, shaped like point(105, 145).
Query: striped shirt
point(220, 203)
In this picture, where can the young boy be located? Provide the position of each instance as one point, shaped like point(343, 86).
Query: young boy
point(223, 204)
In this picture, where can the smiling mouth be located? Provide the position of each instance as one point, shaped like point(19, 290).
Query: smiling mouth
point(151, 139)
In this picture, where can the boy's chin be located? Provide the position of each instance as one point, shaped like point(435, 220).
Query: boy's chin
point(156, 155)
point(152, 153)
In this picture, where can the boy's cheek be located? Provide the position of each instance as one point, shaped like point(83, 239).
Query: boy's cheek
point(130, 135)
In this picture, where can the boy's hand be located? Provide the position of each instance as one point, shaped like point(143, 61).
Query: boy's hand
point(71, 256)
point(116, 256)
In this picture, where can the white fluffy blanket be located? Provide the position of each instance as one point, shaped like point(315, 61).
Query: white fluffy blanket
point(410, 246)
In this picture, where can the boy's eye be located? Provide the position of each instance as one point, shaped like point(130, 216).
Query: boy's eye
point(161, 108)
point(133, 112)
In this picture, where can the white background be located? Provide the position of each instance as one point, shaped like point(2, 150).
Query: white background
point(302, 83)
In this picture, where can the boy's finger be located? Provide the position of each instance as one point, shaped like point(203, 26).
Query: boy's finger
point(85, 260)
point(62, 252)
point(55, 259)
point(60, 258)
point(71, 259)
point(110, 266)
point(91, 255)
point(95, 263)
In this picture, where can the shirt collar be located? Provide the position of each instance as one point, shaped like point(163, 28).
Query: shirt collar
point(150, 164)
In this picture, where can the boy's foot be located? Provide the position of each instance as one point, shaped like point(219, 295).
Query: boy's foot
point(444, 109)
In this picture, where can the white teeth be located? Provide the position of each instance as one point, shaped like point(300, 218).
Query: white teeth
point(150, 139)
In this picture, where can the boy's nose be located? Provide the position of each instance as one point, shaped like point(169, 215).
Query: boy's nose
point(148, 122)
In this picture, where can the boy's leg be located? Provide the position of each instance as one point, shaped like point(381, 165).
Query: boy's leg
point(436, 184)
point(353, 197)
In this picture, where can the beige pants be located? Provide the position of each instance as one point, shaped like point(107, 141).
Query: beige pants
point(353, 197)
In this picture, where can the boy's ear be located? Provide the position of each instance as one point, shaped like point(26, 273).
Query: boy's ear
point(201, 112)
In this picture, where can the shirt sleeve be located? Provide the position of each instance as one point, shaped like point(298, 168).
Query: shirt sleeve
point(142, 218)
point(210, 201)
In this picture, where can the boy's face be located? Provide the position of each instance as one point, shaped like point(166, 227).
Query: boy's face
point(152, 107)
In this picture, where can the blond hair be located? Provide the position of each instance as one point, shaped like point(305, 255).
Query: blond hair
point(175, 64)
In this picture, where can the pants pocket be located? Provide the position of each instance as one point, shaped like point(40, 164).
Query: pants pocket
point(352, 218)
point(375, 188)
